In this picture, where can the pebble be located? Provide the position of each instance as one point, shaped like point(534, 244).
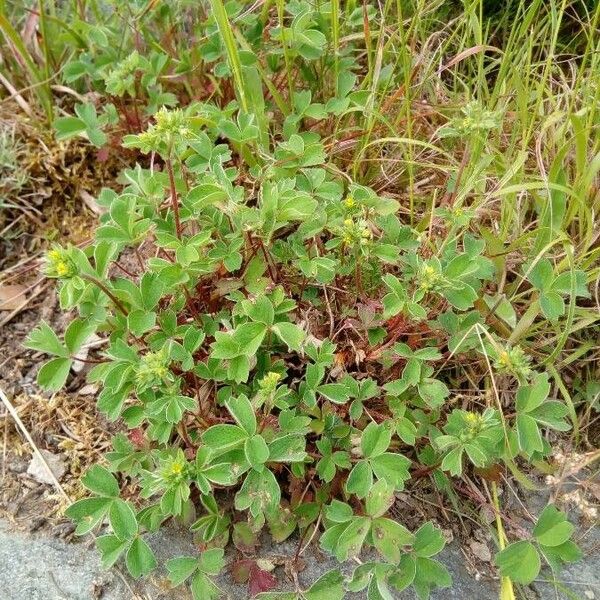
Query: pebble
point(38, 471)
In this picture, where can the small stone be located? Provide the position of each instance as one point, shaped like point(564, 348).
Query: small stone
point(38, 471)
point(589, 594)
point(481, 551)
point(89, 389)
point(448, 535)
point(18, 466)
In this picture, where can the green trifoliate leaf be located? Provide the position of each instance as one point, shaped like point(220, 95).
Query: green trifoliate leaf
point(453, 460)
point(88, 513)
point(328, 587)
point(290, 334)
point(76, 334)
point(528, 434)
point(261, 310)
point(375, 439)
point(379, 499)
point(256, 450)
point(531, 396)
point(243, 412)
point(389, 538)
point(122, 519)
point(428, 541)
point(140, 559)
point(430, 574)
point(111, 548)
point(395, 301)
point(392, 467)
point(181, 568)
point(101, 481)
point(338, 512)
point(53, 374)
point(211, 561)
point(351, 540)
point(203, 588)
point(405, 574)
point(221, 438)
point(552, 305)
point(44, 339)
point(139, 321)
point(552, 528)
point(360, 480)
point(249, 337)
point(335, 392)
point(519, 561)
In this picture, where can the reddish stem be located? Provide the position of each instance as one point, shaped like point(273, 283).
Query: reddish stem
point(174, 201)
point(120, 266)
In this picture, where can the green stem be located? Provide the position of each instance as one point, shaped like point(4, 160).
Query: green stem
point(105, 289)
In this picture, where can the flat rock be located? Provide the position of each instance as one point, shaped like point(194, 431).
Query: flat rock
point(37, 469)
point(39, 567)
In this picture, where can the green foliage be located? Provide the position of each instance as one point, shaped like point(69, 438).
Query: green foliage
point(476, 435)
point(199, 569)
point(273, 395)
point(553, 288)
point(288, 326)
point(551, 540)
point(86, 123)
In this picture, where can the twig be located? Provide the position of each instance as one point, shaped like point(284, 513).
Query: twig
point(4, 447)
point(310, 539)
point(16, 96)
point(329, 311)
point(13, 413)
point(23, 304)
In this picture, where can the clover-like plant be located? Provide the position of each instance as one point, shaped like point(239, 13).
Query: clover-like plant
point(275, 343)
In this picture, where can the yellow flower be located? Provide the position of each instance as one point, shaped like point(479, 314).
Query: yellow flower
point(504, 358)
point(348, 222)
point(152, 368)
point(269, 382)
point(62, 268)
point(59, 263)
point(349, 202)
point(471, 418)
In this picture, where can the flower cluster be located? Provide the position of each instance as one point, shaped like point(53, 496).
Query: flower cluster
point(152, 369)
point(59, 264)
point(356, 233)
point(171, 129)
point(513, 361)
point(430, 278)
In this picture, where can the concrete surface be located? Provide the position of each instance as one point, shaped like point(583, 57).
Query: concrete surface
point(38, 567)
